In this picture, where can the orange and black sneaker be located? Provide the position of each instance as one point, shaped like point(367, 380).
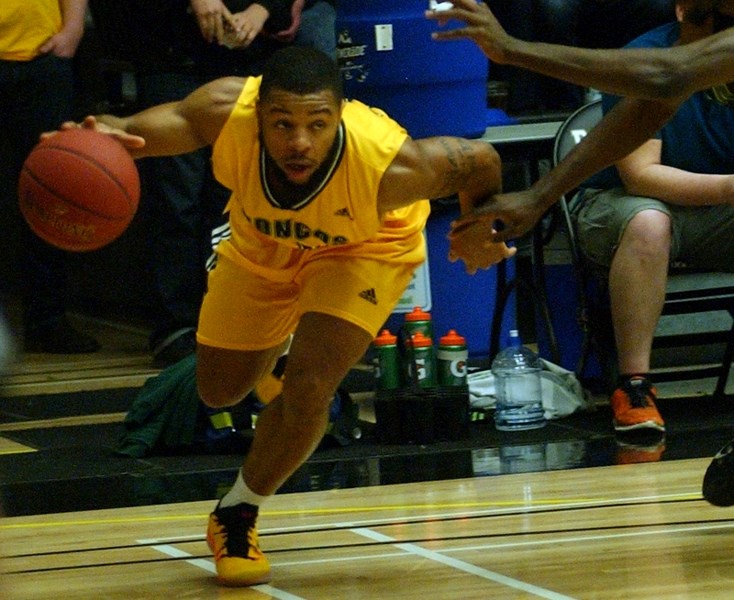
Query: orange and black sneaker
point(232, 537)
point(634, 407)
point(640, 452)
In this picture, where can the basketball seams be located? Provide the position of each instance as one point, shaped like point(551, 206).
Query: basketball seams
point(70, 201)
point(92, 161)
point(79, 190)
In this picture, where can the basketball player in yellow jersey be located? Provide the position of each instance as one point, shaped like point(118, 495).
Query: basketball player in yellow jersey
point(327, 210)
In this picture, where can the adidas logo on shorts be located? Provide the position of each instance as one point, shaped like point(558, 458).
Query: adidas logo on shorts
point(369, 295)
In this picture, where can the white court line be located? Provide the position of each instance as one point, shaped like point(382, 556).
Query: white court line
point(208, 565)
point(518, 544)
point(464, 566)
point(585, 538)
point(354, 526)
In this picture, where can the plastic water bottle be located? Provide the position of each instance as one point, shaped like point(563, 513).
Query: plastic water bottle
point(421, 359)
point(419, 321)
point(387, 374)
point(518, 389)
point(451, 359)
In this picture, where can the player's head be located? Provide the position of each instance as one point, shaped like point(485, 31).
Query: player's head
point(301, 70)
point(299, 111)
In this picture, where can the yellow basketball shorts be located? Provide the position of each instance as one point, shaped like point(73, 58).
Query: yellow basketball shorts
point(257, 305)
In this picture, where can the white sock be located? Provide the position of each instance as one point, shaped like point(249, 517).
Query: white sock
point(240, 493)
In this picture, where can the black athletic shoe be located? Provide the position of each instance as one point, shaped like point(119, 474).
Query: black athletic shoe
point(718, 482)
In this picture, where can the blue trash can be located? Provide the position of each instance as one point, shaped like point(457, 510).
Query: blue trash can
point(460, 301)
point(388, 60)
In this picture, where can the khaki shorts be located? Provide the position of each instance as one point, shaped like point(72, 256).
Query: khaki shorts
point(256, 304)
point(702, 236)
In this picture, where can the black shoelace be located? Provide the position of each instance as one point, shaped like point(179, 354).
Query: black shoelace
point(237, 521)
point(639, 392)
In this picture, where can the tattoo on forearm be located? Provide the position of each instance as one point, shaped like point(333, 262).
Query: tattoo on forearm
point(462, 161)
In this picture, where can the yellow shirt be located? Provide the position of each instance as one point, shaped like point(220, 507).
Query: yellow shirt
point(344, 210)
point(25, 25)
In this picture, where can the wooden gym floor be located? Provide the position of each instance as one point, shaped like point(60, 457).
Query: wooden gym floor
point(559, 518)
point(636, 532)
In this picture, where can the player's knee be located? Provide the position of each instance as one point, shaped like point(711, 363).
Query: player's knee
point(306, 400)
point(219, 394)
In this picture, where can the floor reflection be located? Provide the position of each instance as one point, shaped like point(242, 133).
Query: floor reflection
point(74, 479)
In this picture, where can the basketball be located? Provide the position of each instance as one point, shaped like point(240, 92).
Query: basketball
point(79, 189)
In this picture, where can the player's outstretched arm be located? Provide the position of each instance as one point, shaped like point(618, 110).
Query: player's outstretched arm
point(644, 73)
point(175, 127)
point(630, 123)
point(440, 167)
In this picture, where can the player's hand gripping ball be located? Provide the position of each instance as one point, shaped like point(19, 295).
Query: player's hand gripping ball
point(79, 189)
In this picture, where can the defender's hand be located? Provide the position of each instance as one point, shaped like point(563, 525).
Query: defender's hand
point(473, 244)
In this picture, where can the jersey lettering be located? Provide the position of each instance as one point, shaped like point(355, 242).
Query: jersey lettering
point(288, 229)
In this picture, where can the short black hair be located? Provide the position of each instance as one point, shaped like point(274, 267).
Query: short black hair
point(301, 70)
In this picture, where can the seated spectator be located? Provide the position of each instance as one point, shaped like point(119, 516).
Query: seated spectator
point(667, 202)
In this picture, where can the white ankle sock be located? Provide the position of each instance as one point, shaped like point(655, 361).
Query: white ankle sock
point(241, 493)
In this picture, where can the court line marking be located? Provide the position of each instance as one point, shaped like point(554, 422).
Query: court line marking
point(650, 529)
point(407, 549)
point(208, 566)
point(413, 549)
point(464, 566)
point(417, 519)
point(500, 509)
point(595, 537)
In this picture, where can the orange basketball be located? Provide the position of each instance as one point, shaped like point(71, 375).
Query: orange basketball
point(79, 189)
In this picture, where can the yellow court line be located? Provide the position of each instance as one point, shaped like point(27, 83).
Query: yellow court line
point(583, 503)
point(20, 451)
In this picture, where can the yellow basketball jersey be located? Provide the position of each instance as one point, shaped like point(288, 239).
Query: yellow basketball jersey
point(25, 26)
point(343, 211)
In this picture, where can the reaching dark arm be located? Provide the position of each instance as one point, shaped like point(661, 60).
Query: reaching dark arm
point(630, 123)
point(644, 73)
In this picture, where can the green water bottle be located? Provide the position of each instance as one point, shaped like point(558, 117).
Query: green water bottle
point(418, 320)
point(387, 374)
point(421, 357)
point(451, 358)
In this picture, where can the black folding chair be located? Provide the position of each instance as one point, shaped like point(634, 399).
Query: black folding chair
point(688, 292)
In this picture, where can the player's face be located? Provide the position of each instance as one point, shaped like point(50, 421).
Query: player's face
point(299, 130)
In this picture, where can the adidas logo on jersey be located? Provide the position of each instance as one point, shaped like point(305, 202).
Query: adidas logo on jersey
point(369, 295)
point(343, 212)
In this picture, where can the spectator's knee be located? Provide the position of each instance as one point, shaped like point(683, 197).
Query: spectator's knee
point(650, 231)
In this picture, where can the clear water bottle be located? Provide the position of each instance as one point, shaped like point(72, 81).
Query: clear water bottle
point(517, 386)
